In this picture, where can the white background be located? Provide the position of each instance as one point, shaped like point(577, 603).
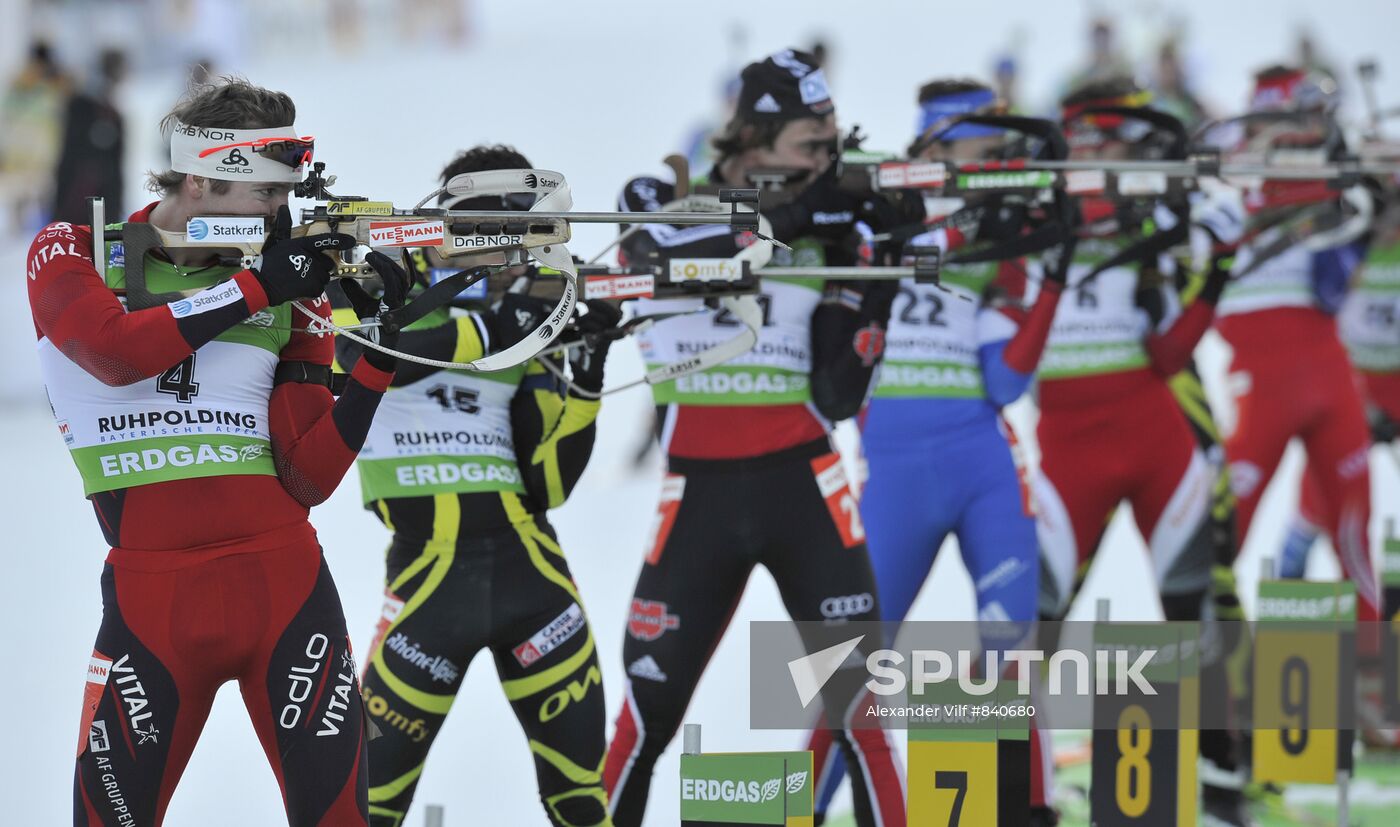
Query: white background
point(600, 91)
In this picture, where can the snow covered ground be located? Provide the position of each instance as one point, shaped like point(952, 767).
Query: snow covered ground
point(567, 91)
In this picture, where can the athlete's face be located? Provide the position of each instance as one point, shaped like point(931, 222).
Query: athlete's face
point(241, 198)
point(807, 144)
point(1105, 151)
point(966, 149)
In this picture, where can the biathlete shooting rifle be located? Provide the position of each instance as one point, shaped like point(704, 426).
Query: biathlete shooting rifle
point(541, 232)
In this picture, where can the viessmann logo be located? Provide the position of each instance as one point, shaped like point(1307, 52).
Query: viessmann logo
point(405, 234)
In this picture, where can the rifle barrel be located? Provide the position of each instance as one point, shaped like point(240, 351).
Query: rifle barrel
point(632, 217)
point(521, 215)
point(842, 273)
point(1192, 169)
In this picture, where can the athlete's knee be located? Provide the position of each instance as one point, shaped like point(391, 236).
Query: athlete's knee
point(1184, 606)
point(385, 817)
point(1246, 479)
point(579, 807)
point(1187, 568)
point(656, 712)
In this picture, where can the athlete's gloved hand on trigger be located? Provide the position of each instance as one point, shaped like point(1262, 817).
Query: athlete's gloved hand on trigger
point(1055, 262)
point(296, 268)
point(586, 362)
point(368, 309)
point(515, 318)
point(822, 209)
point(1217, 220)
point(1002, 219)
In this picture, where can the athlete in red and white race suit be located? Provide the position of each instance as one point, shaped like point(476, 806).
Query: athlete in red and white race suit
point(752, 478)
point(1305, 389)
point(204, 430)
point(1110, 428)
point(1369, 324)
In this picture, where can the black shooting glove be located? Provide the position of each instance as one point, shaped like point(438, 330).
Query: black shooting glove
point(516, 317)
point(822, 209)
point(368, 309)
point(586, 361)
point(1055, 262)
point(296, 268)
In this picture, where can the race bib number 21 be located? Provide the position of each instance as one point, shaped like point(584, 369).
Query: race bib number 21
point(840, 499)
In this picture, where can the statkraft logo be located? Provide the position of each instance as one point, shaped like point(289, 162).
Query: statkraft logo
point(225, 229)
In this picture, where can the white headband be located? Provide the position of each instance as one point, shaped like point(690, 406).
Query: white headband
point(236, 160)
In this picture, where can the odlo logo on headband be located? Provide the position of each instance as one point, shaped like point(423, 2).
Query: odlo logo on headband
point(234, 162)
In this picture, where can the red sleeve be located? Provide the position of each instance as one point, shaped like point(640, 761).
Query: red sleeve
point(1170, 351)
point(316, 437)
point(75, 309)
point(309, 347)
point(1023, 352)
point(1011, 278)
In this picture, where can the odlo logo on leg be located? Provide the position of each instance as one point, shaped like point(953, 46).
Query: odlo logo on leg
point(302, 681)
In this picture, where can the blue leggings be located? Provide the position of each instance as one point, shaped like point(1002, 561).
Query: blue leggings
point(920, 490)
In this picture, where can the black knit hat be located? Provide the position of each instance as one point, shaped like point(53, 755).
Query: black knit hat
point(784, 86)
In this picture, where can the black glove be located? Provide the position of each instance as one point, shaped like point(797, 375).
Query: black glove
point(822, 209)
point(516, 317)
point(586, 362)
point(1002, 219)
point(296, 268)
point(367, 309)
point(1383, 428)
point(1056, 261)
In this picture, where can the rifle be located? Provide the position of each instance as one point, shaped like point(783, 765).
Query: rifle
point(731, 283)
point(514, 236)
